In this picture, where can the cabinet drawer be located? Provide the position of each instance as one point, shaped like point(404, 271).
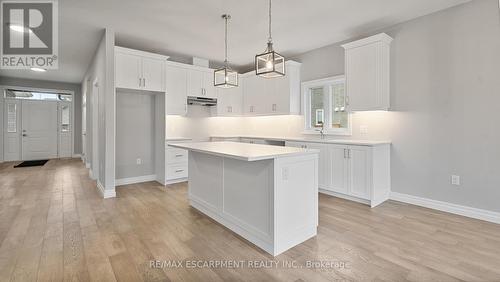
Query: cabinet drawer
point(175, 171)
point(175, 155)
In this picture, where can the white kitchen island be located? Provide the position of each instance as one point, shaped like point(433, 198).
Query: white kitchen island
point(266, 194)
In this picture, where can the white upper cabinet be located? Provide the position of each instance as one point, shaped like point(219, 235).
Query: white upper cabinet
point(128, 71)
point(230, 101)
point(139, 70)
point(201, 83)
point(367, 64)
point(176, 89)
point(272, 96)
point(153, 74)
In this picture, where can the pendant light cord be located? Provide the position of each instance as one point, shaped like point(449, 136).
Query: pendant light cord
point(270, 39)
point(225, 47)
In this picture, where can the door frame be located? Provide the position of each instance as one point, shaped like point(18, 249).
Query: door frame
point(37, 89)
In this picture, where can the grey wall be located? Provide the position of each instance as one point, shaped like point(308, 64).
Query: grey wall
point(445, 93)
point(10, 81)
point(135, 136)
point(102, 69)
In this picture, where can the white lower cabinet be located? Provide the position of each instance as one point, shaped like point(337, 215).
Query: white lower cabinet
point(176, 169)
point(359, 173)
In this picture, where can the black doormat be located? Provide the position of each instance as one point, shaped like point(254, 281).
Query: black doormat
point(32, 163)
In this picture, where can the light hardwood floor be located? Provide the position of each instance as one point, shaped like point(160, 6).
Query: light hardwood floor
point(54, 226)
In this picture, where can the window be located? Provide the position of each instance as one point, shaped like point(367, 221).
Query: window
point(32, 95)
point(325, 106)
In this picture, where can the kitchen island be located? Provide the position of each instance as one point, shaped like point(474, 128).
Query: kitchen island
point(266, 194)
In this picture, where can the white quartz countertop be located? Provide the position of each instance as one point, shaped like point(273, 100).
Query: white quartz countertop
point(311, 139)
point(243, 151)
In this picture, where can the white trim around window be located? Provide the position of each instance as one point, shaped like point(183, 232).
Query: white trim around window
point(327, 84)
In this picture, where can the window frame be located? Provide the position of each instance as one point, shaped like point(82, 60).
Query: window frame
point(326, 83)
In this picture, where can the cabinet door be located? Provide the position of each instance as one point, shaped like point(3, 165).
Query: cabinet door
point(359, 171)
point(176, 89)
point(127, 71)
point(253, 95)
point(362, 77)
point(229, 101)
point(208, 85)
point(339, 169)
point(195, 83)
point(153, 74)
point(279, 93)
point(324, 165)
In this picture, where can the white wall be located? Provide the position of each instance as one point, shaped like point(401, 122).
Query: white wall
point(445, 89)
point(135, 136)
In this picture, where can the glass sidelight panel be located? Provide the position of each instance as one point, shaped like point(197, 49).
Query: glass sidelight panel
point(65, 118)
point(11, 118)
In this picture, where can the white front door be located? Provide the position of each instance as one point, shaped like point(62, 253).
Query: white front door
point(65, 128)
point(39, 130)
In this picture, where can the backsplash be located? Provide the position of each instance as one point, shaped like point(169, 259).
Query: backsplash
point(200, 126)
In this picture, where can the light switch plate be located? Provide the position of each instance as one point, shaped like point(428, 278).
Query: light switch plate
point(455, 180)
point(138, 161)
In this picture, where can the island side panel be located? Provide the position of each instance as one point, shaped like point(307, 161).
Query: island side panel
point(237, 194)
point(205, 186)
point(295, 201)
point(248, 197)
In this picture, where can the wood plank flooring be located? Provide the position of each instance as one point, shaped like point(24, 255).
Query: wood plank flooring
point(54, 226)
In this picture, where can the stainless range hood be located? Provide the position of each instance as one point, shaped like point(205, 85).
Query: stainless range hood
point(202, 101)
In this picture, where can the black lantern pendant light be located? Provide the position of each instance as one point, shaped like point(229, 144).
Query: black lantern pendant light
point(269, 64)
point(225, 77)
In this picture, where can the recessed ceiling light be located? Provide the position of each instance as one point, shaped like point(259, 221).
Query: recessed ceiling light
point(38, 69)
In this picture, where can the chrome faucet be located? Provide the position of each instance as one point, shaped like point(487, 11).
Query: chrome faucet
point(322, 131)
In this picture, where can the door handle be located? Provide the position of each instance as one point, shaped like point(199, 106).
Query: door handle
point(24, 135)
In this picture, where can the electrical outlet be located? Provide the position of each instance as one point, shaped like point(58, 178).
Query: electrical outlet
point(138, 161)
point(285, 173)
point(455, 180)
point(363, 129)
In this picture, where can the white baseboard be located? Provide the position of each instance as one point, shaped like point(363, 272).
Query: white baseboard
point(178, 180)
point(447, 207)
point(106, 193)
point(132, 180)
point(343, 196)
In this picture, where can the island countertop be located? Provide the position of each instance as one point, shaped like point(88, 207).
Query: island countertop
point(243, 151)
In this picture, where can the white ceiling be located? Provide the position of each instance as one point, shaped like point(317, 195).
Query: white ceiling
point(194, 27)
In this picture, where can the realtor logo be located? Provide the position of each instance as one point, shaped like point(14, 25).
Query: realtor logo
point(29, 34)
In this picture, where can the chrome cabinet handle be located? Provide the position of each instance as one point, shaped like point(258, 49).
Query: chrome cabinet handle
point(274, 107)
point(140, 82)
point(144, 82)
point(178, 156)
point(345, 153)
point(24, 135)
point(179, 170)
